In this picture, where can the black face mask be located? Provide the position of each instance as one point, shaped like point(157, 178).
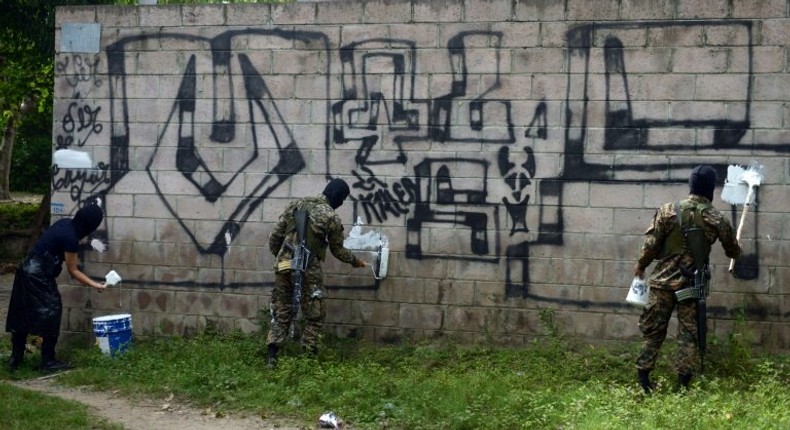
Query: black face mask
point(336, 192)
point(87, 220)
point(702, 181)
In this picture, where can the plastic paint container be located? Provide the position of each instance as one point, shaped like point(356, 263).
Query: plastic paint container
point(113, 333)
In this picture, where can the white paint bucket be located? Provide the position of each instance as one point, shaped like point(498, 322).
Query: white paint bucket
point(113, 333)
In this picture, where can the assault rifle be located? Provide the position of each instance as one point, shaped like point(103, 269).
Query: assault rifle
point(699, 278)
point(699, 290)
point(299, 263)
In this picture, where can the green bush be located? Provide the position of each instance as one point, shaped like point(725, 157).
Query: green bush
point(17, 215)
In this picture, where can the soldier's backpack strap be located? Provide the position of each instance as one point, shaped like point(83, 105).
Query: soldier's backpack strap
point(694, 235)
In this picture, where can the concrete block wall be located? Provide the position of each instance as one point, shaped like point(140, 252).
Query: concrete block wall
point(512, 152)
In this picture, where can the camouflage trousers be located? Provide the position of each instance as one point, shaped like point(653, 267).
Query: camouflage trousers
point(311, 304)
point(654, 323)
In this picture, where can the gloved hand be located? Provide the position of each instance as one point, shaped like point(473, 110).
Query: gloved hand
point(359, 263)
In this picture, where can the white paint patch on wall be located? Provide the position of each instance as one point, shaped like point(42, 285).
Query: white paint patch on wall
point(375, 243)
point(72, 159)
point(369, 240)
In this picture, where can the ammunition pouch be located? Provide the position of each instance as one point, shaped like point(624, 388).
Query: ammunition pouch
point(283, 266)
point(700, 284)
point(299, 262)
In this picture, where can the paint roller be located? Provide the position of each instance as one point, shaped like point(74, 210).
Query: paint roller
point(382, 260)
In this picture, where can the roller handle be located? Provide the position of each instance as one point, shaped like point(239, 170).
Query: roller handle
point(740, 224)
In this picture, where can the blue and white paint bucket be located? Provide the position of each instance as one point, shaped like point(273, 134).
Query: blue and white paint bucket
point(113, 333)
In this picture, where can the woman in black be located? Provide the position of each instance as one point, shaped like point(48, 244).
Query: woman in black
point(35, 306)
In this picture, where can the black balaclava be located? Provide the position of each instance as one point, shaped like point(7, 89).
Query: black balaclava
point(336, 192)
point(87, 220)
point(702, 181)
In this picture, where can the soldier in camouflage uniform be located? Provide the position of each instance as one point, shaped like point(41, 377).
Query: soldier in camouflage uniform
point(324, 228)
point(667, 277)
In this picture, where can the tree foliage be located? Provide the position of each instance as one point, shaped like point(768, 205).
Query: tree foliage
point(27, 52)
point(26, 73)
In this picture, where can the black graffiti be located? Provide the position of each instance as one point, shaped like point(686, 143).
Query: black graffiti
point(376, 117)
point(444, 203)
point(629, 129)
point(372, 105)
point(80, 182)
point(483, 108)
point(518, 178)
point(263, 124)
point(79, 120)
point(375, 198)
point(77, 69)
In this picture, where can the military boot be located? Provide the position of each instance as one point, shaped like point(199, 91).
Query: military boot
point(644, 380)
point(271, 361)
point(684, 379)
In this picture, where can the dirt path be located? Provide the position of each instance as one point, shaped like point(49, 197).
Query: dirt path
point(164, 414)
point(151, 414)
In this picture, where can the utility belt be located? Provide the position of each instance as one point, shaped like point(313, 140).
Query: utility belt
point(700, 284)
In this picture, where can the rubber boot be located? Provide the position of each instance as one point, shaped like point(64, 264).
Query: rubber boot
point(17, 350)
point(684, 379)
point(644, 380)
point(48, 361)
point(272, 359)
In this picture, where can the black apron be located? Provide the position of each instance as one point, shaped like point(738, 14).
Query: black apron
point(35, 305)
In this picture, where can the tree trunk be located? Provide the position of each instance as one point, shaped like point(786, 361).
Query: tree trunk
point(40, 223)
point(6, 149)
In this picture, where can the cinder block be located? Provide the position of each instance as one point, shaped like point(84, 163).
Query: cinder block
point(248, 14)
point(579, 10)
point(110, 17)
point(348, 12)
point(153, 301)
point(203, 15)
point(622, 327)
point(488, 10)
point(237, 305)
point(385, 11)
point(466, 319)
point(377, 314)
point(438, 11)
point(539, 11)
point(293, 13)
point(640, 10)
point(160, 16)
point(693, 9)
point(75, 14)
point(421, 317)
point(587, 325)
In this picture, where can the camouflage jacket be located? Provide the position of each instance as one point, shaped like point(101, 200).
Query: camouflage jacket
point(325, 225)
point(666, 274)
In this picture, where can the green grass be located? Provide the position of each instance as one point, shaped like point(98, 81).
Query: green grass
point(441, 385)
point(28, 410)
